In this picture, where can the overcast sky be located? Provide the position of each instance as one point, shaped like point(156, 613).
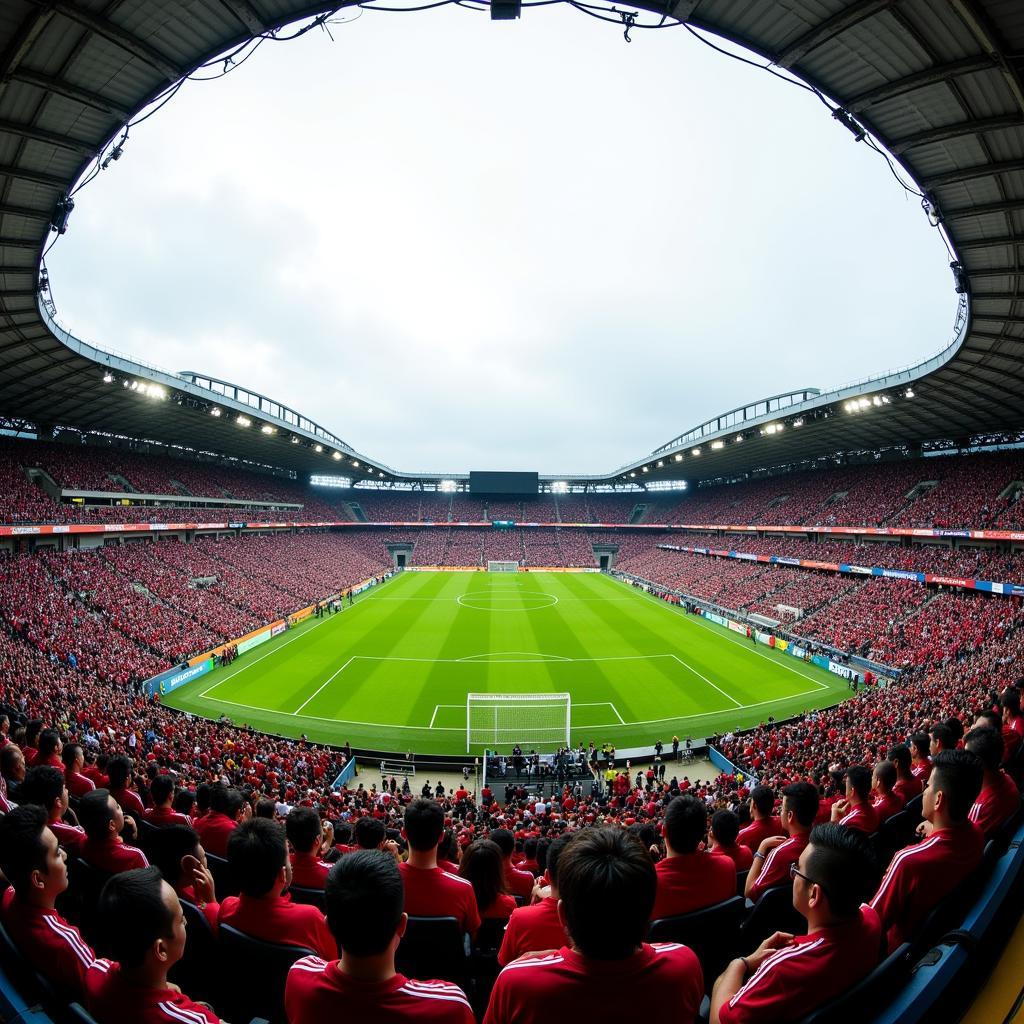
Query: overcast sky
point(460, 244)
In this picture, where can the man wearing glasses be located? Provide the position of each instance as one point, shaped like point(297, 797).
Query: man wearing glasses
point(788, 976)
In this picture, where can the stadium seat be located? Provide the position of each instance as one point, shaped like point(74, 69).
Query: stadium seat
point(223, 876)
point(80, 1015)
point(895, 832)
point(433, 947)
point(312, 897)
point(711, 932)
point(85, 883)
point(29, 982)
point(869, 992)
point(773, 912)
point(913, 807)
point(741, 881)
point(147, 833)
point(254, 973)
point(931, 979)
point(483, 963)
point(196, 972)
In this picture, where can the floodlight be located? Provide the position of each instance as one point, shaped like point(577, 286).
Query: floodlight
point(798, 423)
point(633, 473)
point(355, 462)
point(661, 462)
point(646, 469)
point(335, 455)
point(318, 447)
point(108, 378)
point(739, 439)
point(295, 440)
point(267, 429)
point(909, 393)
point(696, 451)
point(679, 456)
point(716, 445)
point(215, 411)
point(243, 421)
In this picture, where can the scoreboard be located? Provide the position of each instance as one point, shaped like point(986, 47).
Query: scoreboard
point(486, 482)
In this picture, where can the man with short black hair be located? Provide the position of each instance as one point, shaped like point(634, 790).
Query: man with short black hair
point(788, 976)
point(36, 867)
point(12, 774)
point(119, 772)
point(941, 739)
point(179, 855)
point(365, 899)
point(856, 810)
point(884, 799)
point(920, 748)
point(228, 808)
point(537, 927)
point(762, 822)
point(369, 833)
point(103, 820)
point(44, 785)
point(999, 799)
point(429, 890)
point(520, 883)
point(919, 876)
point(161, 814)
point(305, 836)
point(145, 933)
point(258, 856)
point(73, 759)
point(690, 878)
point(49, 750)
point(607, 886)
point(725, 828)
point(776, 854)
point(907, 784)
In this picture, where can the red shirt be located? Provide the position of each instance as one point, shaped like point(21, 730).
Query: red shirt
point(277, 919)
point(129, 801)
point(70, 837)
point(921, 770)
point(919, 876)
point(520, 883)
point(807, 973)
point(161, 817)
point(663, 979)
point(775, 870)
point(112, 855)
point(886, 805)
point(78, 785)
point(691, 881)
point(995, 804)
point(53, 947)
point(908, 789)
point(501, 909)
point(309, 871)
point(214, 831)
point(108, 996)
point(741, 856)
point(317, 991)
point(863, 817)
point(757, 830)
point(531, 930)
point(431, 892)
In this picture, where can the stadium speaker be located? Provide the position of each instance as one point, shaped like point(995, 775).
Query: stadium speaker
point(506, 10)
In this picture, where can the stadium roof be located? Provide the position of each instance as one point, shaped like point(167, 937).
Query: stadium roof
point(940, 83)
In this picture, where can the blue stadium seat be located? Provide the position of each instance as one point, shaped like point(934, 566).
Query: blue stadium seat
point(929, 982)
point(870, 991)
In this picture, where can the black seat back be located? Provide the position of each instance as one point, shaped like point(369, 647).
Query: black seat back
point(312, 897)
point(256, 973)
point(710, 932)
point(773, 912)
point(196, 972)
point(867, 994)
point(223, 876)
point(433, 948)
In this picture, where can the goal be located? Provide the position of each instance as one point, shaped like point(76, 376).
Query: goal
point(504, 719)
point(502, 566)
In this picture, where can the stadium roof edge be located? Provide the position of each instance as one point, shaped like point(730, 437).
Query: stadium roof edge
point(939, 84)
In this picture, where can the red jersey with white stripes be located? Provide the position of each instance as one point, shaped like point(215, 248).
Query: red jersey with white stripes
point(662, 980)
point(919, 876)
point(431, 892)
point(111, 1000)
point(317, 991)
point(864, 817)
point(995, 804)
point(48, 942)
point(775, 870)
point(531, 929)
point(807, 973)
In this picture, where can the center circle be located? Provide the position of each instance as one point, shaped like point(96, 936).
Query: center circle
point(491, 602)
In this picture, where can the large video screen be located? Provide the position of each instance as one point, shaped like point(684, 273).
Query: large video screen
point(485, 482)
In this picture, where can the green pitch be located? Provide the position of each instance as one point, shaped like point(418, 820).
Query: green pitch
point(392, 672)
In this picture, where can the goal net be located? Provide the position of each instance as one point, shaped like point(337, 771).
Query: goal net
point(530, 719)
point(502, 566)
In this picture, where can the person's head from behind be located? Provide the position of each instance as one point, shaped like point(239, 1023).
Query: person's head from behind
point(836, 873)
point(161, 789)
point(44, 785)
point(100, 815)
point(32, 730)
point(686, 823)
point(142, 922)
point(12, 762)
point(504, 840)
point(177, 852)
point(883, 777)
point(899, 755)
point(30, 857)
point(226, 800)
point(858, 783)
point(941, 738)
point(762, 800)
point(49, 745)
point(799, 807)
point(370, 833)
point(952, 787)
point(365, 904)
point(987, 744)
point(73, 757)
point(303, 829)
point(725, 827)
point(606, 888)
point(483, 866)
point(423, 824)
point(920, 745)
point(266, 808)
point(119, 772)
point(553, 855)
point(258, 855)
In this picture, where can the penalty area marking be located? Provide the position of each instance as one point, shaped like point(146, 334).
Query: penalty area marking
point(592, 704)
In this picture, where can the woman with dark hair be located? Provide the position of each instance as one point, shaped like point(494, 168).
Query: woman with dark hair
point(484, 867)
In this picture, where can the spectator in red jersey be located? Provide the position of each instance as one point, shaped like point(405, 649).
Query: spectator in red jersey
point(920, 748)
point(856, 810)
point(430, 891)
point(725, 827)
point(258, 855)
point(145, 933)
point(370, 834)
point(161, 814)
point(777, 854)
point(689, 877)
point(36, 867)
point(762, 822)
point(365, 898)
point(483, 866)
point(49, 751)
point(305, 836)
point(119, 771)
point(30, 747)
point(907, 784)
point(607, 886)
point(12, 773)
point(884, 799)
point(999, 799)
point(788, 976)
point(1013, 721)
point(537, 927)
point(942, 738)
point(520, 883)
point(181, 859)
point(73, 760)
point(44, 786)
point(228, 808)
point(104, 821)
point(919, 876)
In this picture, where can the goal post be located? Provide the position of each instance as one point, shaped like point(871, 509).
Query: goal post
point(504, 719)
point(493, 566)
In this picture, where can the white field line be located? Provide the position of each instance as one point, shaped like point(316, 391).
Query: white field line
point(323, 684)
point(601, 704)
point(622, 721)
point(437, 707)
point(700, 675)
